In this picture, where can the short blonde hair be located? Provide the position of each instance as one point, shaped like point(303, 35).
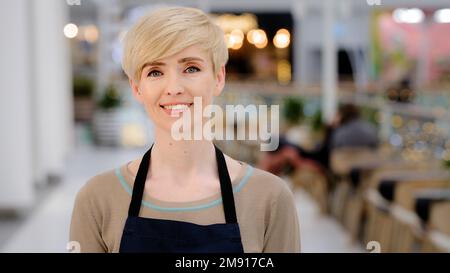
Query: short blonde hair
point(167, 31)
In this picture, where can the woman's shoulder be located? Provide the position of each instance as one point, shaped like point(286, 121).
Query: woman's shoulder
point(270, 180)
point(248, 173)
point(266, 185)
point(100, 185)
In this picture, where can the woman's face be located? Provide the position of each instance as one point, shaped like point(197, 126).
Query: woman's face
point(168, 86)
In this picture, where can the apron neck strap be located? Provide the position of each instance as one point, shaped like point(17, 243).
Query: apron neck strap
point(139, 184)
point(225, 186)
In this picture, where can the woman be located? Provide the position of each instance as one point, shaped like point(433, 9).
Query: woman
point(182, 196)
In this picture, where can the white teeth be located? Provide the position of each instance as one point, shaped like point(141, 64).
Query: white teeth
point(176, 107)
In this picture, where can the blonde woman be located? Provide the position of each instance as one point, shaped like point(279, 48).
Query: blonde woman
point(185, 195)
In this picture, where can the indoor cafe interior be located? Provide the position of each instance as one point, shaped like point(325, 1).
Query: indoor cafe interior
point(361, 90)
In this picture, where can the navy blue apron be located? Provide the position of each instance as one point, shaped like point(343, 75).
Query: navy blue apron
point(167, 236)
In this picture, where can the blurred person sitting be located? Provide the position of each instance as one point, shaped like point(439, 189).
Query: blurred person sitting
point(347, 129)
point(351, 130)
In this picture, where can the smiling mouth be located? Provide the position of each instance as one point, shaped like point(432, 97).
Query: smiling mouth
point(174, 110)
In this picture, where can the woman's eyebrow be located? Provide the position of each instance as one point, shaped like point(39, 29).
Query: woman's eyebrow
point(152, 64)
point(183, 60)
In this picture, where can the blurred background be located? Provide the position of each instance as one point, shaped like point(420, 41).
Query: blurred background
point(363, 88)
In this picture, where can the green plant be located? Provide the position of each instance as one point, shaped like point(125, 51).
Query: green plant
point(370, 114)
point(83, 87)
point(293, 110)
point(316, 121)
point(446, 164)
point(110, 98)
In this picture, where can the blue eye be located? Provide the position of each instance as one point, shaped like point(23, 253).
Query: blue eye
point(192, 69)
point(154, 73)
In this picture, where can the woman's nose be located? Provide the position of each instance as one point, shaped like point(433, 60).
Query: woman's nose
point(173, 86)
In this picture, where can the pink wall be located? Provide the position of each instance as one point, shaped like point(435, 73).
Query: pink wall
point(409, 37)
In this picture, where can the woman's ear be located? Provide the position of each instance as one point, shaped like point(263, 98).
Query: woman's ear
point(220, 81)
point(136, 92)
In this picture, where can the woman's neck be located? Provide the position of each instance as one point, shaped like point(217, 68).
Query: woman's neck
point(181, 160)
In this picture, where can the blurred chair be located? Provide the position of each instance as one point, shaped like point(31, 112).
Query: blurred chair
point(437, 238)
point(343, 161)
point(377, 219)
point(315, 183)
point(355, 170)
point(396, 224)
point(407, 227)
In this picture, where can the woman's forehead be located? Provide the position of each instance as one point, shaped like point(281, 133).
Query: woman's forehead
point(190, 54)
